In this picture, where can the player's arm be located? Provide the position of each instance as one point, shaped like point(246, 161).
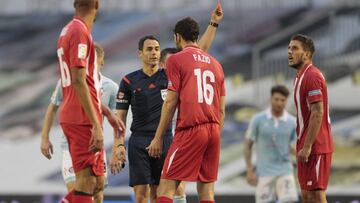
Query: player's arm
point(209, 35)
point(222, 111)
point(167, 113)
point(250, 136)
point(316, 116)
point(118, 152)
point(115, 122)
point(46, 146)
point(78, 80)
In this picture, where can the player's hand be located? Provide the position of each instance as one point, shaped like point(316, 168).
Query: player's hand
point(46, 148)
point(251, 177)
point(97, 140)
point(117, 124)
point(116, 164)
point(304, 154)
point(155, 147)
point(217, 14)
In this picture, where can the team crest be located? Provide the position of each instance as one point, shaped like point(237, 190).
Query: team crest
point(163, 94)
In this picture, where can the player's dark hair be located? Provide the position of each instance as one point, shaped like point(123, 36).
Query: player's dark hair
point(143, 39)
point(281, 89)
point(307, 42)
point(166, 51)
point(188, 28)
point(84, 3)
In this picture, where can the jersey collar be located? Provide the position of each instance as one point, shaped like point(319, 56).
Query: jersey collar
point(302, 70)
point(192, 46)
point(284, 116)
point(81, 21)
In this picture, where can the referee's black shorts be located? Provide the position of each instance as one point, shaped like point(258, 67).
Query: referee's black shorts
point(144, 169)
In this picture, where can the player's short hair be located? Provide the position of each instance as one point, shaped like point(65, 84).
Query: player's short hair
point(84, 3)
point(143, 39)
point(281, 89)
point(166, 51)
point(99, 49)
point(307, 42)
point(188, 28)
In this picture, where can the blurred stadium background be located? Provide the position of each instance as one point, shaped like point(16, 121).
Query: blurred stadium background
point(251, 43)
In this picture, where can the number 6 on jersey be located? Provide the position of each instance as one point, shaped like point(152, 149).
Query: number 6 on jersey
point(64, 69)
point(205, 90)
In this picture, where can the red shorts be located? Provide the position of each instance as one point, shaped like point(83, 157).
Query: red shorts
point(78, 137)
point(314, 174)
point(194, 154)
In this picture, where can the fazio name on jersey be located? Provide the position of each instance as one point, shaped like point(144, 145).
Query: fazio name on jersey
point(201, 58)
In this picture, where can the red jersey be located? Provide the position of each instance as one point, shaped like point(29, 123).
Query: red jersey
point(75, 49)
point(199, 80)
point(310, 87)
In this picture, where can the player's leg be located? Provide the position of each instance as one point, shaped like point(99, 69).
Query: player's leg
point(153, 195)
point(180, 196)
point(166, 190)
point(315, 196)
point(156, 165)
point(314, 177)
point(210, 162)
point(101, 183)
point(142, 193)
point(67, 170)
point(139, 167)
point(87, 165)
point(99, 188)
point(265, 189)
point(286, 189)
point(206, 192)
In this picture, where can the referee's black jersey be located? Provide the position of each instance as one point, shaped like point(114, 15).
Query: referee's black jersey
point(145, 94)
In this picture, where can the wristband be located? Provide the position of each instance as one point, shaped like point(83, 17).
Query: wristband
point(119, 145)
point(214, 24)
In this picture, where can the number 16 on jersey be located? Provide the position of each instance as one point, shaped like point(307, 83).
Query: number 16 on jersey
point(204, 89)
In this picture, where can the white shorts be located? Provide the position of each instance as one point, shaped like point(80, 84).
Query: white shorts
point(272, 188)
point(67, 167)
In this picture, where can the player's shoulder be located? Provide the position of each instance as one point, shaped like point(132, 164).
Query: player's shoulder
point(108, 82)
point(290, 118)
point(260, 116)
point(314, 71)
point(132, 77)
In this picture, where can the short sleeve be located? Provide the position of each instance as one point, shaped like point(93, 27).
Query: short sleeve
point(123, 98)
point(56, 97)
point(252, 131)
point(79, 46)
point(314, 87)
point(173, 74)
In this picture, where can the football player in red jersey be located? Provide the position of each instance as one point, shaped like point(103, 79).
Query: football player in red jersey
point(196, 87)
point(80, 114)
point(313, 127)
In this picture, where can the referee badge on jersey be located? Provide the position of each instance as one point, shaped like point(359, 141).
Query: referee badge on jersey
point(163, 93)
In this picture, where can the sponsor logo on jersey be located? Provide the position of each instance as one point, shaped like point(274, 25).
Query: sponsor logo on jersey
point(163, 94)
point(314, 92)
point(82, 50)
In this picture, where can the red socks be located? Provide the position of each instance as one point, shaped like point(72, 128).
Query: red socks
point(71, 197)
point(82, 199)
point(68, 197)
point(207, 201)
point(163, 199)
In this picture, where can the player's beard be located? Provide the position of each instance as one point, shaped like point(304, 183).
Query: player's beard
point(299, 64)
